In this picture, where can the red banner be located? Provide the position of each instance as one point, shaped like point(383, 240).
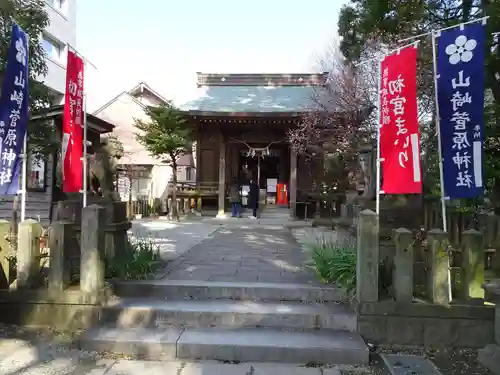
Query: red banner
point(72, 142)
point(399, 132)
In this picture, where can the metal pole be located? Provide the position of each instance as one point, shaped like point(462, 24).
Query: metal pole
point(24, 174)
point(24, 166)
point(388, 52)
point(438, 130)
point(483, 19)
point(379, 115)
point(84, 158)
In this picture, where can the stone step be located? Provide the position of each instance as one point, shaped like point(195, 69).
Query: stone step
point(243, 345)
point(191, 289)
point(146, 312)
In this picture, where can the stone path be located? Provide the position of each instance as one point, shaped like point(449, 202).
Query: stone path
point(173, 238)
point(245, 253)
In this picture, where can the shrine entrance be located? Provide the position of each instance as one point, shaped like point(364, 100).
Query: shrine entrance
point(265, 164)
point(260, 168)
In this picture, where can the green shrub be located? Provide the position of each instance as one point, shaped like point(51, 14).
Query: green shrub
point(335, 263)
point(143, 259)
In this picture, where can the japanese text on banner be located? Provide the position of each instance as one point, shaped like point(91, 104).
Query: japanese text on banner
point(72, 142)
point(13, 112)
point(399, 133)
point(461, 106)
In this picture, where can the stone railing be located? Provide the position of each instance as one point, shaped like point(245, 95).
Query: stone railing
point(490, 355)
point(68, 290)
point(390, 313)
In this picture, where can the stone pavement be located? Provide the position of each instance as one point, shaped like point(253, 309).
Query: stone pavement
point(22, 357)
point(245, 251)
point(173, 238)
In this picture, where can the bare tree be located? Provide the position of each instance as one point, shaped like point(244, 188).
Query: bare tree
point(340, 117)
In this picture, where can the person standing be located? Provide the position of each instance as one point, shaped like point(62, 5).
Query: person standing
point(235, 198)
point(253, 198)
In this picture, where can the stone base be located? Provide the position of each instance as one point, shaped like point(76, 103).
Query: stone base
point(67, 310)
point(221, 216)
point(489, 357)
point(434, 326)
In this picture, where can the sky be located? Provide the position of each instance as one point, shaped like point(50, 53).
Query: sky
point(165, 42)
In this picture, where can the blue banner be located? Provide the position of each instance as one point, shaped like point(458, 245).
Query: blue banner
point(460, 70)
point(13, 112)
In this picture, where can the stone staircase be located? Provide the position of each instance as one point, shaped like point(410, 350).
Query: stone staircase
point(271, 211)
point(225, 321)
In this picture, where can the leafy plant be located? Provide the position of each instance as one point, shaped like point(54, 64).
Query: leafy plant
point(165, 135)
point(335, 263)
point(142, 261)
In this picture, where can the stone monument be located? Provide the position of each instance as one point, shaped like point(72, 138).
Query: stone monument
point(489, 357)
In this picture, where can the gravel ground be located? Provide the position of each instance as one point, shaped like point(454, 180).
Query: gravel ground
point(449, 362)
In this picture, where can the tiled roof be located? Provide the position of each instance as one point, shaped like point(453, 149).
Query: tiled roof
point(254, 92)
point(251, 99)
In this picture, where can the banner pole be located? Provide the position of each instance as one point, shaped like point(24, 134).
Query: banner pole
point(379, 115)
point(24, 175)
point(24, 167)
point(84, 157)
point(438, 130)
point(482, 19)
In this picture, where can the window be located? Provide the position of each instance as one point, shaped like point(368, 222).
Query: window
point(54, 50)
point(189, 174)
point(36, 174)
point(140, 188)
point(59, 5)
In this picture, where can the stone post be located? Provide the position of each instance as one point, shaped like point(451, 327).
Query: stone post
point(343, 210)
point(489, 357)
point(92, 264)
point(222, 179)
point(497, 322)
point(60, 269)
point(293, 183)
point(367, 271)
point(439, 278)
point(494, 224)
point(28, 253)
point(403, 265)
point(472, 264)
point(182, 206)
point(317, 212)
point(5, 250)
point(199, 205)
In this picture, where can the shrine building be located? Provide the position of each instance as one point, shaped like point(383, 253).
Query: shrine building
point(241, 123)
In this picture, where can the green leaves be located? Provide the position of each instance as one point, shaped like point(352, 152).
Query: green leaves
point(33, 19)
point(166, 135)
point(335, 264)
point(363, 23)
point(142, 261)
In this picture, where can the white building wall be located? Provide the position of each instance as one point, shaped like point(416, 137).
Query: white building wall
point(122, 112)
point(60, 33)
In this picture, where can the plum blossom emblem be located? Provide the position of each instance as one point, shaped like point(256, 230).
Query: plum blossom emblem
point(461, 50)
point(21, 52)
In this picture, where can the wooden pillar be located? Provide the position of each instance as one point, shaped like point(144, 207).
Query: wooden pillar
point(198, 161)
point(283, 165)
point(293, 182)
point(222, 178)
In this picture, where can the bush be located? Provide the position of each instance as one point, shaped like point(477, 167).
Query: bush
point(142, 261)
point(335, 263)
